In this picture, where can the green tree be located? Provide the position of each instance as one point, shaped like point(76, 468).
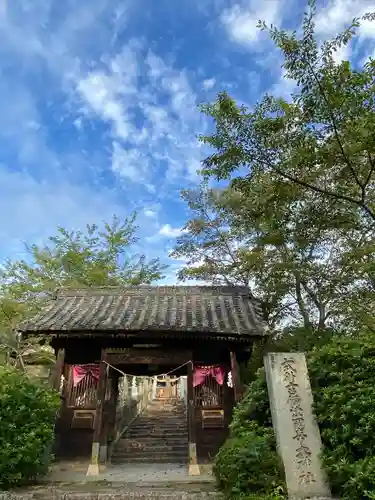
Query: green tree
point(322, 141)
point(298, 258)
point(299, 209)
point(211, 246)
point(94, 257)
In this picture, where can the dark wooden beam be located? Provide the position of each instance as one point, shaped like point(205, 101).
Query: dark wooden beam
point(148, 357)
point(193, 460)
point(237, 386)
point(55, 379)
point(98, 424)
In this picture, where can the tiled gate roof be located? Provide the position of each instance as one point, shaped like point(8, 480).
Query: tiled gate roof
point(216, 310)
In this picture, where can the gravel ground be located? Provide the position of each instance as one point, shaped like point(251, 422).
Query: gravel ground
point(75, 472)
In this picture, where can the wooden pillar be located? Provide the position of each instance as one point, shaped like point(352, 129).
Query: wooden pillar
point(103, 451)
point(54, 382)
point(93, 469)
point(55, 379)
point(227, 396)
point(113, 404)
point(237, 386)
point(193, 460)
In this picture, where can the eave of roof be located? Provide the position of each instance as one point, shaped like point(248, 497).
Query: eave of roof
point(228, 311)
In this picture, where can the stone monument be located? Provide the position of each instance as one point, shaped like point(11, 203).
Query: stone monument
point(297, 433)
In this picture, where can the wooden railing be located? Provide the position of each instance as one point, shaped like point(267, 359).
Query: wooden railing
point(134, 395)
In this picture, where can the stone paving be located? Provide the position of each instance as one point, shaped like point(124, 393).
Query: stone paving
point(75, 472)
point(68, 481)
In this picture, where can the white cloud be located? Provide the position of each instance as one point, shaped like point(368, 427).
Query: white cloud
point(152, 214)
point(240, 20)
point(170, 232)
point(193, 167)
point(97, 90)
point(129, 163)
point(165, 233)
point(209, 83)
point(148, 105)
point(335, 16)
point(152, 109)
point(284, 87)
point(344, 53)
point(34, 209)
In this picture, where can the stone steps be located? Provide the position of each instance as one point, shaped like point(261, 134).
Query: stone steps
point(154, 439)
point(168, 426)
point(188, 491)
point(149, 459)
point(168, 418)
point(159, 435)
point(146, 429)
point(133, 446)
point(163, 423)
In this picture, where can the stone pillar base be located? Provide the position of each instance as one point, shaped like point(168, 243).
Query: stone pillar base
point(93, 470)
point(194, 470)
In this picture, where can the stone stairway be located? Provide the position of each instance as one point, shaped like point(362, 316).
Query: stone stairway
point(116, 491)
point(159, 435)
point(149, 462)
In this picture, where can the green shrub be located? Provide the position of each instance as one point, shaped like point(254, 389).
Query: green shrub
point(254, 406)
point(248, 462)
point(259, 496)
point(27, 416)
point(293, 339)
point(342, 375)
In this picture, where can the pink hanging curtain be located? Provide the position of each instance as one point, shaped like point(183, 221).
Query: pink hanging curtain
point(201, 372)
point(82, 371)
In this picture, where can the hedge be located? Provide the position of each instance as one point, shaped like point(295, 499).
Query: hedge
point(342, 375)
point(27, 416)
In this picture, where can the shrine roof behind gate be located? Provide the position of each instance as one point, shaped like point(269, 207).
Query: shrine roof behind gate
point(201, 309)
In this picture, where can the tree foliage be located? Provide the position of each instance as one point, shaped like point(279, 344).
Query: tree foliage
point(341, 374)
point(210, 242)
point(299, 262)
point(322, 141)
point(93, 257)
point(297, 219)
point(27, 416)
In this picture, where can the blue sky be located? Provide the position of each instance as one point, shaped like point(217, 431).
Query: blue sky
point(98, 103)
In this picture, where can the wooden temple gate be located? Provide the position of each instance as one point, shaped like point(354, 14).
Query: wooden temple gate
point(95, 412)
point(101, 395)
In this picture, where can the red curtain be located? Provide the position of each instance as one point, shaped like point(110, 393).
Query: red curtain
point(82, 371)
point(201, 372)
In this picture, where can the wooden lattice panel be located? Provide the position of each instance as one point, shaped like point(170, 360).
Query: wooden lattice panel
point(212, 419)
point(83, 419)
point(209, 394)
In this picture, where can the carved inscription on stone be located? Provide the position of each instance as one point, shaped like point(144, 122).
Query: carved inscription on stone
point(303, 452)
point(296, 431)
